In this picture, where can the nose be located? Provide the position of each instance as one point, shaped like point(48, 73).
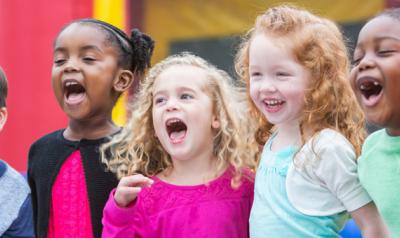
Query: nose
point(172, 105)
point(71, 65)
point(367, 62)
point(267, 85)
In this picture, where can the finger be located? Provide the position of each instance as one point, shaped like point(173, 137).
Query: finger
point(129, 191)
point(136, 180)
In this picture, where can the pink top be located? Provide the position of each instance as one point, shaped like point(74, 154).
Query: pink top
point(70, 212)
point(170, 211)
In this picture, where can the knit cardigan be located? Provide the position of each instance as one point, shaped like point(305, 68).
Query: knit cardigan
point(46, 157)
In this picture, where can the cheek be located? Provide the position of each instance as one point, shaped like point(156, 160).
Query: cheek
point(352, 79)
point(254, 91)
point(156, 122)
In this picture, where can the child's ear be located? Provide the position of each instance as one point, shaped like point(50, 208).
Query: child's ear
point(3, 117)
point(215, 123)
point(123, 81)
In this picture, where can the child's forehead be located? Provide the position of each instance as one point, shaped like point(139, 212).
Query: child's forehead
point(82, 32)
point(181, 76)
point(380, 27)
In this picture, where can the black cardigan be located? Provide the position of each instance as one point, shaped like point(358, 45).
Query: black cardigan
point(46, 157)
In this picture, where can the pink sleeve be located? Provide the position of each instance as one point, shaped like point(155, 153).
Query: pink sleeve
point(118, 221)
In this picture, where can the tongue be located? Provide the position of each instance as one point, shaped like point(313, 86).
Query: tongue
point(177, 136)
point(75, 98)
point(371, 100)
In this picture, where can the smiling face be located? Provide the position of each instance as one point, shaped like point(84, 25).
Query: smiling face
point(183, 117)
point(277, 81)
point(375, 77)
point(84, 70)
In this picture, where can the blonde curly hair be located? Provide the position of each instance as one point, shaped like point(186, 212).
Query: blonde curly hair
point(137, 150)
point(317, 45)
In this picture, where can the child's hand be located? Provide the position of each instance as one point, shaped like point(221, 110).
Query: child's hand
point(129, 187)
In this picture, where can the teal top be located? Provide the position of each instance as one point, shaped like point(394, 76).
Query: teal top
point(272, 214)
point(379, 171)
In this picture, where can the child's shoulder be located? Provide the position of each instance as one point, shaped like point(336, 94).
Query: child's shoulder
point(379, 140)
point(375, 137)
point(47, 141)
point(49, 137)
point(12, 175)
point(329, 139)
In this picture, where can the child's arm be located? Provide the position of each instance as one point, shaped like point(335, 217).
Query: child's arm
point(23, 224)
point(119, 218)
point(33, 199)
point(370, 222)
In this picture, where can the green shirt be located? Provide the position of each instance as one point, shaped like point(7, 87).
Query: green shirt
point(379, 171)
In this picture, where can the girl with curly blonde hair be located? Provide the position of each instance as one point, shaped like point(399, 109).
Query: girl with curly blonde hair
point(295, 67)
point(184, 158)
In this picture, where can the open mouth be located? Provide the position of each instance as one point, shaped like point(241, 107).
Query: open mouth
point(371, 91)
point(74, 92)
point(176, 130)
point(369, 87)
point(273, 103)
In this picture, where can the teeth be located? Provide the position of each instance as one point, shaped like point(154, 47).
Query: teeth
point(376, 83)
point(169, 122)
point(70, 83)
point(273, 102)
point(362, 87)
point(67, 84)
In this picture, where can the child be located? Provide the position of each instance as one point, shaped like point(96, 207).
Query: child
point(295, 66)
point(375, 80)
point(177, 158)
point(15, 198)
point(94, 62)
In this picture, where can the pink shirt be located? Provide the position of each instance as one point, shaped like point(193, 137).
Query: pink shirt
point(70, 212)
point(170, 211)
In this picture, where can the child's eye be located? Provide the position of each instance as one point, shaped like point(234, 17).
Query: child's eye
point(282, 74)
point(385, 52)
point(355, 61)
point(59, 61)
point(89, 59)
point(186, 96)
point(159, 100)
point(255, 74)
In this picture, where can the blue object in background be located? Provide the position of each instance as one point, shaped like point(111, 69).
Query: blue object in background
point(350, 230)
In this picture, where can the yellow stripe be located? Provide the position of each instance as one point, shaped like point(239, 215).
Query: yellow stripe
point(113, 12)
point(210, 18)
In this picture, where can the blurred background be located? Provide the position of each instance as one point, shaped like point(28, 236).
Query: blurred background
point(209, 28)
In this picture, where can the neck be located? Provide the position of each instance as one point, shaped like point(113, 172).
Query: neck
point(393, 131)
point(287, 135)
point(94, 128)
point(199, 170)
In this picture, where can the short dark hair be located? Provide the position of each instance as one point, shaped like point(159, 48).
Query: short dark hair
point(3, 88)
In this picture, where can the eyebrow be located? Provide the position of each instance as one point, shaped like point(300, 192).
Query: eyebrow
point(179, 89)
point(381, 38)
point(83, 48)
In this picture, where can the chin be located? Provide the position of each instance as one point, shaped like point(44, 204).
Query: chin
point(377, 120)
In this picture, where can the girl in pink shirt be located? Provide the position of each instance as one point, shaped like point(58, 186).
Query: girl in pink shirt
point(184, 157)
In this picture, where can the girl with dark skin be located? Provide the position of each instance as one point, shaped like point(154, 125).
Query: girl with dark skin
point(94, 63)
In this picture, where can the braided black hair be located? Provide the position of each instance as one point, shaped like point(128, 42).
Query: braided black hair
point(3, 88)
point(135, 52)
